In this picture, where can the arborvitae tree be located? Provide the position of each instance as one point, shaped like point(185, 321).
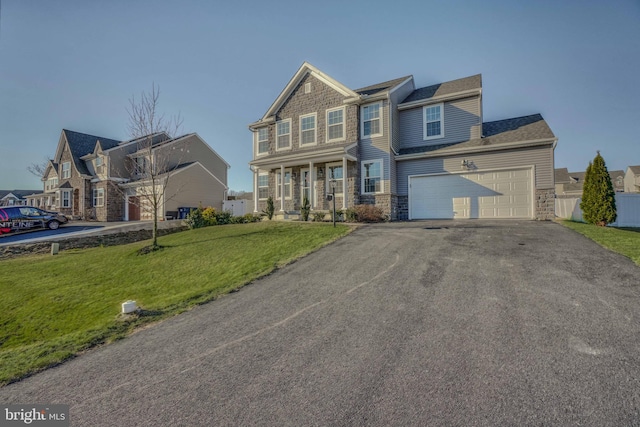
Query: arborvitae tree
point(598, 198)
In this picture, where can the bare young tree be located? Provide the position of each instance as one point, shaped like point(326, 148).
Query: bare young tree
point(38, 169)
point(151, 169)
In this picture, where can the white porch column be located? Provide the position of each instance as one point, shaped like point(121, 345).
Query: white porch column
point(344, 183)
point(312, 184)
point(256, 171)
point(282, 188)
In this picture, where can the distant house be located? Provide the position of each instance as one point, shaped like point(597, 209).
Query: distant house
point(416, 153)
point(97, 178)
point(632, 179)
point(569, 184)
point(15, 197)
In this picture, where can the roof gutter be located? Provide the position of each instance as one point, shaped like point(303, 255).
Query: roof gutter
point(480, 149)
point(442, 98)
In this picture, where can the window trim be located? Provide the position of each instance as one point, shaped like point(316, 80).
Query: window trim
point(62, 199)
point(344, 114)
point(98, 194)
point(362, 176)
point(66, 173)
point(289, 134)
point(264, 186)
point(258, 141)
point(287, 170)
point(424, 122)
point(328, 178)
point(362, 120)
point(315, 129)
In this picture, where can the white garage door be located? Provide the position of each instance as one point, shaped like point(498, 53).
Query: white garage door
point(497, 194)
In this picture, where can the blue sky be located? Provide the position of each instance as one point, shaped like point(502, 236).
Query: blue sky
point(75, 64)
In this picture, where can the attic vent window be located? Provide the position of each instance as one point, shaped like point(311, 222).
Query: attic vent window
point(307, 88)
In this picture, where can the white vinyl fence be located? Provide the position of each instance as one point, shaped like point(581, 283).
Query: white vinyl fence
point(238, 207)
point(627, 205)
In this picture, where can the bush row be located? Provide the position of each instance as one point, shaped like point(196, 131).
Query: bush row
point(205, 217)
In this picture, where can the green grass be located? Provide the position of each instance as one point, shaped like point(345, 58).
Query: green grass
point(53, 307)
point(625, 241)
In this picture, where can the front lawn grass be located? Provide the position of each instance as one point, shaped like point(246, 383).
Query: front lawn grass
point(625, 241)
point(53, 307)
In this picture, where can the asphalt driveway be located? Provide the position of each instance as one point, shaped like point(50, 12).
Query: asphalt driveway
point(421, 323)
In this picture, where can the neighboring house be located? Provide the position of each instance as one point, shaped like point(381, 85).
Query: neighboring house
point(632, 180)
point(416, 153)
point(92, 177)
point(15, 197)
point(569, 184)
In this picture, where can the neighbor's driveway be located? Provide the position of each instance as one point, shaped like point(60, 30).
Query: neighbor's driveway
point(476, 323)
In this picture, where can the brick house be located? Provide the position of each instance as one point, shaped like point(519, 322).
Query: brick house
point(97, 178)
point(415, 152)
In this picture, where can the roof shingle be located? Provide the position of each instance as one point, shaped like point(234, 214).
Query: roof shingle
point(446, 88)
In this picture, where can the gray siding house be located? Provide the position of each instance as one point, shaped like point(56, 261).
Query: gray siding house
point(417, 153)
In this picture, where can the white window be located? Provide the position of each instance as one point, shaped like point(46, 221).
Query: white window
point(283, 135)
point(308, 129)
point(263, 186)
point(307, 88)
point(371, 120)
point(334, 172)
point(287, 184)
point(98, 197)
point(141, 166)
point(98, 161)
point(433, 121)
point(335, 124)
point(372, 177)
point(66, 170)
point(262, 138)
point(51, 184)
point(65, 196)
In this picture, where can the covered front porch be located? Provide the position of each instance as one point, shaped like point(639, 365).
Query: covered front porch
point(290, 180)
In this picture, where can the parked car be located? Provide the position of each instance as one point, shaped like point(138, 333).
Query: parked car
point(23, 218)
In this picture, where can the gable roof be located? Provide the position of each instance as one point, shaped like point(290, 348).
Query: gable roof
point(20, 194)
point(381, 87)
point(305, 69)
point(635, 169)
point(446, 88)
point(527, 129)
point(81, 144)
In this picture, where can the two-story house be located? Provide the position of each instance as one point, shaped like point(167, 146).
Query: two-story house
point(418, 153)
point(92, 177)
point(632, 179)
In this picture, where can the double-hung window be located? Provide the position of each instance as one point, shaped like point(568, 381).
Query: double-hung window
point(65, 196)
point(283, 135)
point(308, 129)
point(334, 173)
point(372, 176)
point(371, 120)
point(335, 124)
point(262, 138)
point(66, 170)
point(98, 197)
point(263, 185)
point(287, 184)
point(433, 119)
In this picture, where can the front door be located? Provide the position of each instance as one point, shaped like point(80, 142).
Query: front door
point(134, 208)
point(305, 186)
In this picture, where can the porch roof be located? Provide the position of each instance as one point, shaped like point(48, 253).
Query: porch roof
point(331, 154)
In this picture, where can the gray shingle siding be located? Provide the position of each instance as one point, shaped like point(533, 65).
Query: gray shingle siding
point(536, 156)
point(461, 123)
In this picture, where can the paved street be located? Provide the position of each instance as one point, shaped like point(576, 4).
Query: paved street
point(421, 323)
